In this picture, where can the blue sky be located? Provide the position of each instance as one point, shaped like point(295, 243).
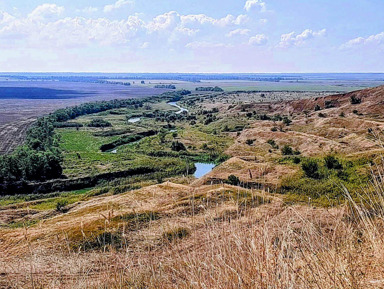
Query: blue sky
point(192, 36)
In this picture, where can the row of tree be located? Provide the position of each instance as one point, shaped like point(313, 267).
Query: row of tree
point(38, 159)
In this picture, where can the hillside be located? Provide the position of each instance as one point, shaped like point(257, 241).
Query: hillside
point(259, 219)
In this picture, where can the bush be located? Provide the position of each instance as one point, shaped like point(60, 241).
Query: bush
point(355, 100)
point(233, 180)
point(178, 146)
point(332, 163)
point(296, 160)
point(249, 141)
point(311, 169)
point(60, 205)
point(287, 150)
point(287, 121)
point(273, 144)
point(317, 107)
point(329, 104)
point(99, 122)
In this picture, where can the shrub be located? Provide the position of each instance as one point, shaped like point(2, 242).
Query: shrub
point(99, 122)
point(249, 141)
point(317, 107)
point(287, 150)
point(322, 115)
point(61, 204)
point(311, 169)
point(329, 104)
point(296, 160)
point(287, 121)
point(178, 146)
point(355, 100)
point(233, 180)
point(273, 144)
point(332, 163)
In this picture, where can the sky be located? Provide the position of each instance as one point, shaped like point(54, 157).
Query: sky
point(207, 36)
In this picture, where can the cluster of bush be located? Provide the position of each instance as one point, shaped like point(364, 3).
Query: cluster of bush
point(99, 122)
point(216, 89)
point(165, 86)
point(312, 169)
point(67, 125)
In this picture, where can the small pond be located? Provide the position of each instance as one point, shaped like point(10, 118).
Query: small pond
point(203, 169)
point(134, 120)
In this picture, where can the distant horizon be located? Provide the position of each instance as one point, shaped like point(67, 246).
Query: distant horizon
point(192, 73)
point(218, 36)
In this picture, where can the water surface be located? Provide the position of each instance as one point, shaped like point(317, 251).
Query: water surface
point(203, 168)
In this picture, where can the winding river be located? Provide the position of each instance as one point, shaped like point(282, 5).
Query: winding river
point(182, 109)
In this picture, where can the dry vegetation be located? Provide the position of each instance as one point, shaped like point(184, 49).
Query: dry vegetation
point(176, 236)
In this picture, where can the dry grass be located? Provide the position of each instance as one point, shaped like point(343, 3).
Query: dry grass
point(206, 238)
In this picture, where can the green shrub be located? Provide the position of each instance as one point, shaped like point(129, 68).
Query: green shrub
point(332, 163)
point(61, 204)
point(311, 169)
point(178, 146)
point(233, 180)
point(287, 121)
point(273, 144)
point(296, 160)
point(287, 150)
point(99, 122)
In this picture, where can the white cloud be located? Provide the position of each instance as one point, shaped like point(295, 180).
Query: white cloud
point(293, 39)
point(45, 28)
point(258, 40)
point(46, 11)
point(117, 5)
point(166, 21)
point(206, 45)
point(373, 40)
point(250, 4)
point(5, 17)
point(88, 10)
point(237, 32)
point(263, 21)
